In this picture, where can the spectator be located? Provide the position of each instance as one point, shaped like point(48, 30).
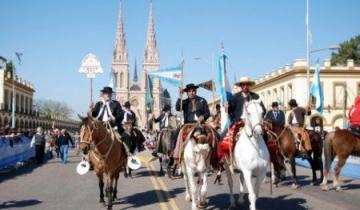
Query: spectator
point(39, 142)
point(63, 141)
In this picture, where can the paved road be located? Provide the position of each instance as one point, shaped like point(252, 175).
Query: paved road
point(55, 186)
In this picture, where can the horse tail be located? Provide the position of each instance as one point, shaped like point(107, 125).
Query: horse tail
point(328, 150)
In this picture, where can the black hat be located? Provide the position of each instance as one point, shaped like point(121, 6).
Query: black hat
point(167, 107)
point(190, 86)
point(127, 104)
point(107, 90)
point(275, 104)
point(293, 103)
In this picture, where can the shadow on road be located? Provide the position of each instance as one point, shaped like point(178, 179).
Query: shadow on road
point(147, 198)
point(222, 201)
point(23, 203)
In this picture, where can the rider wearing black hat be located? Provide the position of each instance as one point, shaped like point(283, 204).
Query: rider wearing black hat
point(108, 110)
point(275, 116)
point(129, 114)
point(195, 108)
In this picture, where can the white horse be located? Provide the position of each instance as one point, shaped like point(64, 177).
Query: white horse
point(197, 152)
point(251, 155)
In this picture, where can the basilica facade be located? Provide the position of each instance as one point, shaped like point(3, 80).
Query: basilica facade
point(134, 90)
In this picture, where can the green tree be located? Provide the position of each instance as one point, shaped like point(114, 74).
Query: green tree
point(9, 69)
point(349, 49)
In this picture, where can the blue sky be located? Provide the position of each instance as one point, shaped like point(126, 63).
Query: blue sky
point(258, 36)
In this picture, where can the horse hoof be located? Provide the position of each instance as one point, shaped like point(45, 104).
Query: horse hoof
point(202, 205)
point(109, 207)
point(338, 189)
point(188, 198)
point(295, 186)
point(325, 188)
point(101, 200)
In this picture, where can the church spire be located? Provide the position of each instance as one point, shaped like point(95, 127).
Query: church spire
point(151, 52)
point(135, 73)
point(120, 54)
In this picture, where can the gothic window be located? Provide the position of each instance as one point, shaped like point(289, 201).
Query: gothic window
point(121, 80)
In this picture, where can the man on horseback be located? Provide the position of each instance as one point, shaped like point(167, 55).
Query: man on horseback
point(296, 120)
point(108, 110)
point(354, 117)
point(129, 114)
point(235, 111)
point(195, 108)
point(275, 116)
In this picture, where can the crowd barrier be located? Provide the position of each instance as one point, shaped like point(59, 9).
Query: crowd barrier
point(350, 169)
point(15, 149)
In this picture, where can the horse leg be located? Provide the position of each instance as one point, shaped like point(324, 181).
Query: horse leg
point(174, 170)
point(339, 165)
point(101, 188)
point(259, 179)
point(230, 184)
point(109, 191)
point(115, 187)
point(241, 187)
point(161, 167)
point(187, 187)
point(295, 185)
point(203, 190)
point(313, 169)
point(249, 185)
point(192, 188)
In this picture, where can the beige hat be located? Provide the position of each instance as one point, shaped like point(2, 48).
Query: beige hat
point(244, 80)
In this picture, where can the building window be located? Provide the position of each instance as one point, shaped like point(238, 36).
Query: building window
point(339, 94)
point(268, 99)
point(121, 80)
point(17, 103)
point(115, 80)
point(282, 95)
point(275, 95)
point(289, 92)
point(7, 100)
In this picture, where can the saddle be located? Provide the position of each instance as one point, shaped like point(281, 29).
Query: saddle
point(355, 130)
point(227, 144)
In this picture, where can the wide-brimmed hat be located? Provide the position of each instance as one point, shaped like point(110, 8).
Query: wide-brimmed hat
point(245, 80)
point(166, 107)
point(293, 103)
point(127, 104)
point(107, 90)
point(190, 86)
point(275, 104)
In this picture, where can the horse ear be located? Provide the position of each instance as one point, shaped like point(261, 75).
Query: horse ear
point(89, 115)
point(80, 117)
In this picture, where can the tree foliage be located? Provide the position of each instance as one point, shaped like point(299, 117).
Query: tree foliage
point(54, 108)
point(349, 49)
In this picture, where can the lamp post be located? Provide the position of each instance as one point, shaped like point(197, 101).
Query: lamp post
point(90, 66)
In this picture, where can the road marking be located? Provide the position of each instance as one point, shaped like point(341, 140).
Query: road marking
point(165, 189)
point(163, 206)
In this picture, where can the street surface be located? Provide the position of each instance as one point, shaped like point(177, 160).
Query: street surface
point(55, 186)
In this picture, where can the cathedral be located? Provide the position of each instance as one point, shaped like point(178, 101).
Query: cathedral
point(134, 90)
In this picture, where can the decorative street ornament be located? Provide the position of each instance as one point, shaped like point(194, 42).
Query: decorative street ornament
point(90, 65)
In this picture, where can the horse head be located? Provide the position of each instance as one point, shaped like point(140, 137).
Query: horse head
point(202, 138)
point(88, 130)
point(252, 114)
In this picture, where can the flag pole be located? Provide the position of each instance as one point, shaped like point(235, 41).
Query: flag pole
point(307, 54)
point(13, 111)
point(182, 86)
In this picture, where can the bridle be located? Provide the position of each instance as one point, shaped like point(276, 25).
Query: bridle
point(90, 142)
point(250, 124)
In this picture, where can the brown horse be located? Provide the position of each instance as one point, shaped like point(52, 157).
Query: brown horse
point(288, 149)
point(340, 143)
point(107, 154)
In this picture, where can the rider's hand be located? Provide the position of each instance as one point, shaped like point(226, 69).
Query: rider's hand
point(226, 106)
point(201, 119)
point(181, 92)
point(91, 105)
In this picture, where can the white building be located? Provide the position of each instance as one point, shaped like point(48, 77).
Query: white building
point(290, 82)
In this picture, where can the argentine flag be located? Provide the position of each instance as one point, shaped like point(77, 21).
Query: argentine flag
point(316, 90)
point(172, 75)
point(225, 91)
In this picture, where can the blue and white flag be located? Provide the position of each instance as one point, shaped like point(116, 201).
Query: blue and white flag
point(316, 90)
point(149, 99)
point(18, 56)
point(225, 91)
point(172, 75)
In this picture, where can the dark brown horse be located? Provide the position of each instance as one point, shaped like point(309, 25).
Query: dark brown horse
point(107, 155)
point(288, 149)
point(340, 143)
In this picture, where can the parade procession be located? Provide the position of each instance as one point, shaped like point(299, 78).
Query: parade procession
point(210, 127)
